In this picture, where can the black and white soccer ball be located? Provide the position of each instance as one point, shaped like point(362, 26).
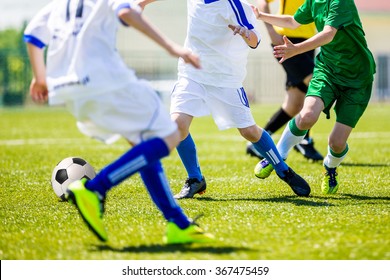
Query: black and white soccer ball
point(69, 170)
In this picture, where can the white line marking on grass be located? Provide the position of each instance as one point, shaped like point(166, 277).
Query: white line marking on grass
point(40, 141)
point(364, 135)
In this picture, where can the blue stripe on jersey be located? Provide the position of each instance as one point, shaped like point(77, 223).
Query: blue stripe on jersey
point(240, 14)
point(34, 41)
point(120, 7)
point(210, 1)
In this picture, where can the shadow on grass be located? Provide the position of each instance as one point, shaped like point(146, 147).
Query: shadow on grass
point(158, 248)
point(285, 199)
point(363, 197)
point(312, 201)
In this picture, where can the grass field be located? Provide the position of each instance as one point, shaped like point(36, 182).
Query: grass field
point(251, 218)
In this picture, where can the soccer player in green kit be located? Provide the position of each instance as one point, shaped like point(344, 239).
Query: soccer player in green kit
point(343, 75)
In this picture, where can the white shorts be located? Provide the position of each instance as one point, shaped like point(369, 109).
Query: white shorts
point(229, 107)
point(134, 112)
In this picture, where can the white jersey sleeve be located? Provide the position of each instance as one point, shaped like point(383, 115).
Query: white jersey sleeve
point(37, 31)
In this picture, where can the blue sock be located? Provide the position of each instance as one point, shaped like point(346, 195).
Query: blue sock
point(189, 157)
point(138, 157)
point(267, 148)
point(158, 187)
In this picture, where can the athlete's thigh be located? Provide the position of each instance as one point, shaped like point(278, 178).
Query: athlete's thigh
point(321, 88)
point(188, 97)
point(351, 104)
point(229, 107)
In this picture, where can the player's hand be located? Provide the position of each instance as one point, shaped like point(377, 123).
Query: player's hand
point(237, 29)
point(143, 3)
point(256, 11)
point(285, 51)
point(38, 91)
point(191, 58)
point(186, 55)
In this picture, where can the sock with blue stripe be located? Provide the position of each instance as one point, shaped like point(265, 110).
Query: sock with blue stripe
point(188, 155)
point(158, 187)
point(267, 148)
point(131, 162)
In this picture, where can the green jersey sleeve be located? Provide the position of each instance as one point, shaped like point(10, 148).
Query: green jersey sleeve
point(304, 15)
point(340, 14)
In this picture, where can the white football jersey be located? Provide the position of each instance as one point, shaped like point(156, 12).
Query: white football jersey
point(223, 55)
point(82, 58)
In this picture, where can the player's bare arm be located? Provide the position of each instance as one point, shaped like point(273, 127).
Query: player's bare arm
point(249, 36)
point(285, 21)
point(134, 18)
point(288, 49)
point(38, 86)
point(276, 39)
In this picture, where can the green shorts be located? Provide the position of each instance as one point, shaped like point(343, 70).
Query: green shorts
point(350, 102)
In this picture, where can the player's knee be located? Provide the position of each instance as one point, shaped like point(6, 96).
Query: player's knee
point(336, 144)
point(251, 133)
point(307, 120)
point(173, 140)
point(182, 129)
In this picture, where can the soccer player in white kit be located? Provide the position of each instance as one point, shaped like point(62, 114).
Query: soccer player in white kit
point(217, 88)
point(85, 72)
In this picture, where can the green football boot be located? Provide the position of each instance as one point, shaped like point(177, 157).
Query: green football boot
point(192, 234)
point(263, 169)
point(329, 184)
point(90, 206)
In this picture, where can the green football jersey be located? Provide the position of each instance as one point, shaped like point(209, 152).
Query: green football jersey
point(346, 60)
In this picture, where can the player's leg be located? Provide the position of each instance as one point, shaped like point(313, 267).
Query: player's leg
point(226, 105)
point(297, 128)
point(142, 121)
point(180, 229)
point(337, 151)
point(263, 142)
point(265, 146)
point(306, 146)
point(195, 182)
point(89, 196)
point(350, 106)
point(278, 120)
point(187, 101)
point(294, 132)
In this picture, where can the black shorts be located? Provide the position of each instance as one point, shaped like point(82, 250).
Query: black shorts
point(298, 67)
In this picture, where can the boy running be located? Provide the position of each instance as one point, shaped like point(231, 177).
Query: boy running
point(221, 32)
point(299, 70)
point(343, 76)
point(86, 73)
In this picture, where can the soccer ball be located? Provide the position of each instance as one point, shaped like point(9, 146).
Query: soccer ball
point(67, 171)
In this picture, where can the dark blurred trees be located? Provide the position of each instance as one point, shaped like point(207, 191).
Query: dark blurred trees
point(15, 71)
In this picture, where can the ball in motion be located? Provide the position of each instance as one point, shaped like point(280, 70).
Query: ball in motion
point(69, 170)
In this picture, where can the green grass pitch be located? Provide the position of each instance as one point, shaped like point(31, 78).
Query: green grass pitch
point(251, 218)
